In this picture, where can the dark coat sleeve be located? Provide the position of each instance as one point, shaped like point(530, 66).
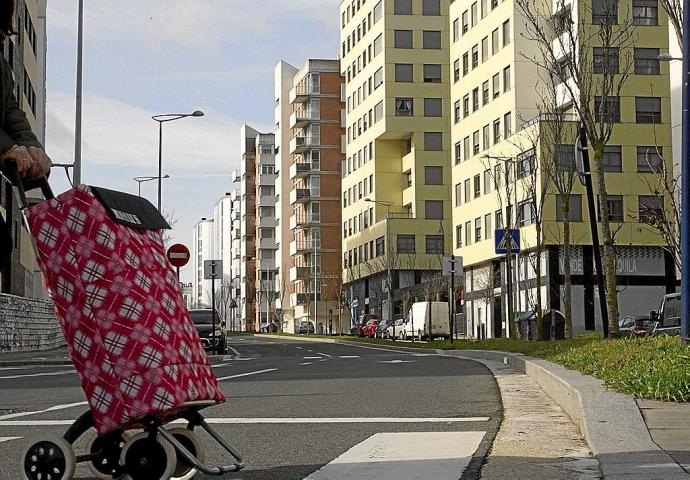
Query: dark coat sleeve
point(14, 126)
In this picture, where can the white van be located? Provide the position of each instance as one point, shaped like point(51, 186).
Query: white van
point(418, 321)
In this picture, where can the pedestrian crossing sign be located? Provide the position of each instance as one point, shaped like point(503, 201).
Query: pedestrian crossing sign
point(507, 240)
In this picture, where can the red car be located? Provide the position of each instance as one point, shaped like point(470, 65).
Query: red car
point(370, 329)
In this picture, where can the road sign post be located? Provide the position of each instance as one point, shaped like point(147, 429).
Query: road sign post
point(508, 243)
point(178, 256)
point(212, 269)
point(452, 266)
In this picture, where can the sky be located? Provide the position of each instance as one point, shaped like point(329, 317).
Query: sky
point(143, 58)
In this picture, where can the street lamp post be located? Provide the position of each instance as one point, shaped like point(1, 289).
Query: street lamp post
point(685, 176)
point(141, 180)
point(388, 259)
point(161, 119)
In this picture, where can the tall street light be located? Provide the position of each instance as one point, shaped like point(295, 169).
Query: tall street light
point(161, 119)
point(141, 180)
point(685, 176)
point(388, 259)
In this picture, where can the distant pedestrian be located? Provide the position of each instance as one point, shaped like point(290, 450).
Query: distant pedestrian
point(18, 143)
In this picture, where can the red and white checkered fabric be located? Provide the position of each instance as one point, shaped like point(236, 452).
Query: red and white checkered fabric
point(121, 309)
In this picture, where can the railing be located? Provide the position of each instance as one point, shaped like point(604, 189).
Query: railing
point(551, 117)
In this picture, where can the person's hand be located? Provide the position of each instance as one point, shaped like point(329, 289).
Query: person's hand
point(31, 162)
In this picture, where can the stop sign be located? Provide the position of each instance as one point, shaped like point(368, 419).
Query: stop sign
point(178, 255)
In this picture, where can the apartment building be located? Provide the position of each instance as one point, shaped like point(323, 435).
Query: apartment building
point(203, 236)
point(26, 55)
point(499, 147)
point(266, 228)
point(396, 175)
point(309, 116)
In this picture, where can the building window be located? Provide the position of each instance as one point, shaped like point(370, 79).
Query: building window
point(380, 247)
point(506, 33)
point(506, 79)
point(403, 39)
point(457, 112)
point(526, 212)
point(458, 236)
point(485, 93)
point(431, 7)
point(468, 192)
point(465, 64)
point(612, 161)
point(435, 244)
point(378, 46)
point(565, 158)
point(494, 42)
point(648, 109)
point(406, 244)
point(468, 233)
point(456, 71)
point(499, 219)
point(378, 78)
point(497, 131)
point(650, 159)
point(378, 112)
point(458, 153)
point(433, 141)
point(646, 62)
point(574, 210)
point(466, 106)
point(465, 22)
point(507, 125)
point(433, 209)
point(475, 143)
point(466, 147)
point(487, 181)
point(433, 107)
point(488, 231)
point(458, 194)
point(605, 60)
point(650, 208)
point(402, 7)
point(605, 12)
point(477, 186)
point(473, 14)
point(526, 163)
point(404, 107)
point(615, 207)
point(432, 73)
point(475, 99)
point(431, 39)
point(608, 109)
point(403, 72)
point(433, 175)
point(496, 85)
point(645, 12)
point(486, 137)
point(485, 49)
point(475, 57)
point(456, 30)
point(378, 12)
point(478, 230)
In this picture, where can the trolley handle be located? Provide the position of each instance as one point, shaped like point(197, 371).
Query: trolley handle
point(10, 170)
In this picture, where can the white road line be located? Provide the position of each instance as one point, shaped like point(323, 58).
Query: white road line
point(50, 409)
point(220, 365)
point(305, 363)
point(8, 439)
point(313, 358)
point(348, 356)
point(299, 348)
point(406, 455)
point(389, 350)
point(271, 421)
point(247, 374)
point(48, 374)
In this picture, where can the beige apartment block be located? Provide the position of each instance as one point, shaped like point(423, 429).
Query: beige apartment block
point(397, 173)
point(309, 116)
point(499, 139)
point(26, 55)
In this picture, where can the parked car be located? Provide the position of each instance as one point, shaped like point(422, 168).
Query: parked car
point(668, 316)
point(269, 328)
point(396, 330)
point(636, 326)
point(305, 326)
point(356, 330)
point(417, 320)
point(370, 329)
point(203, 321)
point(382, 328)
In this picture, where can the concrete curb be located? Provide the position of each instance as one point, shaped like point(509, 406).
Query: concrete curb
point(610, 422)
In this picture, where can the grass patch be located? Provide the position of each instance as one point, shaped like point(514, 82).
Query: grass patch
point(656, 368)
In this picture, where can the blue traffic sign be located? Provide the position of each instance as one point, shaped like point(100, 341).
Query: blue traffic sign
point(507, 240)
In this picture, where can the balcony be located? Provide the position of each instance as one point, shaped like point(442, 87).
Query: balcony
point(300, 170)
point(302, 246)
point(304, 220)
point(301, 273)
point(303, 116)
point(268, 222)
point(303, 299)
point(302, 143)
point(236, 176)
point(301, 93)
point(267, 243)
point(300, 195)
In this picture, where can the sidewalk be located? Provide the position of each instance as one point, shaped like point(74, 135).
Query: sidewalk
point(669, 425)
point(55, 356)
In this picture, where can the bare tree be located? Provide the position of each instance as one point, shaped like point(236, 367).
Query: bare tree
point(483, 286)
point(674, 9)
point(171, 218)
point(593, 75)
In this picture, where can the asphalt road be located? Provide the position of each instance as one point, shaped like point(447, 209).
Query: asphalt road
point(406, 411)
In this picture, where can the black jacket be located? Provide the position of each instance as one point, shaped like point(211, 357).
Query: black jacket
point(14, 130)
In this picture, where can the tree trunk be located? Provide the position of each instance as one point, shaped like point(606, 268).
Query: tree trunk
point(608, 254)
point(568, 294)
point(537, 271)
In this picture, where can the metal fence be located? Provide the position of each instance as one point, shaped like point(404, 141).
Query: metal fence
point(28, 324)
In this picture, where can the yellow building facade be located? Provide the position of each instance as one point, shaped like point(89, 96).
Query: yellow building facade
point(497, 130)
point(396, 176)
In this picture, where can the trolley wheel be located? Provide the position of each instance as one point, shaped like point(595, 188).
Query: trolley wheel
point(190, 441)
point(48, 458)
point(146, 458)
point(107, 465)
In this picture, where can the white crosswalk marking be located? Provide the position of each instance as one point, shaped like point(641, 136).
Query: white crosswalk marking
point(8, 439)
point(404, 456)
